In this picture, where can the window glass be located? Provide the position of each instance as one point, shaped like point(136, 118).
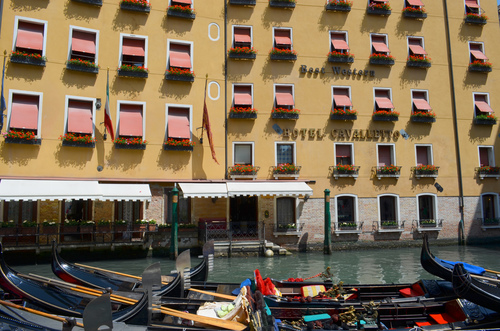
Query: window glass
point(284, 153)
point(243, 154)
point(388, 209)
point(345, 210)
point(285, 209)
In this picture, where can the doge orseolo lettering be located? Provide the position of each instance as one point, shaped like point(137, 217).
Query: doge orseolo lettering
point(338, 71)
point(342, 134)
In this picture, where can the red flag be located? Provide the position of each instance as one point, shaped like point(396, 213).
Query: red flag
point(107, 117)
point(206, 126)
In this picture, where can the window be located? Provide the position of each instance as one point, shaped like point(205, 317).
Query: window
point(341, 97)
point(282, 38)
point(420, 102)
point(80, 116)
point(426, 204)
point(128, 211)
point(180, 55)
point(283, 96)
point(486, 156)
point(417, 4)
point(25, 111)
point(243, 153)
point(383, 100)
point(423, 155)
point(131, 119)
point(372, 2)
point(30, 36)
point(344, 154)
point(388, 208)
point(242, 96)
point(476, 51)
point(346, 209)
point(285, 153)
point(489, 207)
point(179, 125)
point(183, 3)
point(78, 210)
point(19, 211)
point(482, 105)
point(472, 7)
point(285, 213)
point(338, 42)
point(385, 155)
point(83, 44)
point(133, 50)
point(416, 47)
point(242, 36)
point(379, 44)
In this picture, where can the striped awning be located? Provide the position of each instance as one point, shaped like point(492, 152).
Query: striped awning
point(203, 190)
point(281, 188)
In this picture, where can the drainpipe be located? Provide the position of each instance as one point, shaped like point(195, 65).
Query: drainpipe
point(225, 89)
point(461, 238)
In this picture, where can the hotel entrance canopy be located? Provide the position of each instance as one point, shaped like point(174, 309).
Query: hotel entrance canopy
point(291, 189)
point(204, 190)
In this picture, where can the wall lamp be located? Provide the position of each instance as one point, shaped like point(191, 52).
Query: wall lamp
point(306, 197)
point(214, 199)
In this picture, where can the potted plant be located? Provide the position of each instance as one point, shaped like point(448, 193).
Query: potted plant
point(423, 117)
point(286, 168)
point(181, 12)
point(28, 58)
point(87, 226)
point(379, 8)
point(472, 18)
point(243, 112)
point(489, 170)
point(426, 170)
point(70, 226)
point(347, 225)
point(485, 119)
point(414, 12)
point(283, 54)
point(136, 5)
point(285, 113)
point(130, 143)
point(77, 140)
point(119, 228)
point(243, 169)
point(82, 65)
point(480, 66)
point(128, 70)
point(340, 57)
point(20, 136)
point(103, 226)
point(382, 59)
point(242, 53)
point(346, 168)
point(339, 5)
point(49, 227)
point(178, 145)
point(28, 232)
point(388, 169)
point(282, 3)
point(8, 228)
point(287, 227)
point(389, 224)
point(428, 223)
point(343, 114)
point(185, 75)
point(385, 115)
point(152, 226)
point(164, 227)
point(418, 61)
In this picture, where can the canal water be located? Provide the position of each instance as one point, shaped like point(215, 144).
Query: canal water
point(378, 266)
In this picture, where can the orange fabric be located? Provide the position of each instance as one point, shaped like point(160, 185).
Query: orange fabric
point(422, 323)
point(442, 318)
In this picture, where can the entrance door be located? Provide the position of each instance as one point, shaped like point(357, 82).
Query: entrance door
point(244, 220)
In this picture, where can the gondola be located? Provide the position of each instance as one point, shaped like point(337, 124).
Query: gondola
point(486, 294)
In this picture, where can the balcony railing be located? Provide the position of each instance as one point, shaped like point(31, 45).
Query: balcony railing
point(421, 173)
point(347, 228)
point(489, 223)
point(236, 174)
point(352, 171)
point(488, 172)
point(388, 226)
point(424, 225)
point(382, 171)
point(293, 173)
point(292, 229)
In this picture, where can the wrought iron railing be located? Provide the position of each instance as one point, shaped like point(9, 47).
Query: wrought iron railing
point(388, 226)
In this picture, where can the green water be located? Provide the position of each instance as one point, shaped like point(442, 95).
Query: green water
point(380, 266)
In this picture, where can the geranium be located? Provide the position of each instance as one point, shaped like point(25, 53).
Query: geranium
point(386, 113)
point(78, 137)
point(282, 51)
point(479, 63)
point(139, 3)
point(481, 17)
point(21, 134)
point(245, 110)
point(390, 169)
point(340, 54)
point(343, 3)
point(280, 110)
point(382, 56)
point(381, 6)
point(180, 72)
point(82, 63)
point(179, 142)
point(411, 9)
point(429, 168)
point(489, 169)
point(286, 168)
point(345, 167)
point(130, 67)
point(181, 9)
point(419, 58)
point(243, 169)
point(428, 114)
point(242, 50)
point(486, 117)
point(27, 55)
point(129, 141)
point(341, 111)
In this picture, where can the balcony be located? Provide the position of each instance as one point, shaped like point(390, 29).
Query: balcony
point(391, 171)
point(334, 6)
point(90, 2)
point(182, 12)
point(282, 3)
point(30, 59)
point(347, 228)
point(388, 226)
point(286, 171)
point(489, 223)
point(487, 172)
point(417, 14)
point(475, 19)
point(484, 120)
point(142, 7)
point(243, 172)
point(425, 225)
point(345, 171)
point(292, 229)
point(425, 171)
point(243, 2)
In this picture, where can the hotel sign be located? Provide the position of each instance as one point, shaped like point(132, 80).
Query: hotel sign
point(341, 134)
point(338, 71)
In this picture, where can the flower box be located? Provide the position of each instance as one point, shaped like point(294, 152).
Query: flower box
point(422, 119)
point(418, 64)
point(23, 141)
point(286, 116)
point(475, 20)
point(132, 73)
point(386, 117)
point(414, 14)
point(340, 59)
point(78, 144)
point(243, 2)
point(86, 229)
point(345, 171)
point(180, 78)
point(71, 229)
point(338, 117)
point(282, 3)
point(130, 146)
point(102, 228)
point(178, 145)
point(336, 6)
point(286, 170)
point(377, 11)
point(242, 115)
point(477, 68)
point(429, 171)
point(82, 68)
point(181, 14)
point(384, 62)
point(485, 121)
point(90, 2)
point(76, 140)
point(283, 57)
point(140, 6)
point(243, 171)
point(177, 148)
point(242, 56)
point(27, 59)
point(388, 171)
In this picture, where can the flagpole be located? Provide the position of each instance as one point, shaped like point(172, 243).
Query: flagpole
point(105, 128)
point(204, 103)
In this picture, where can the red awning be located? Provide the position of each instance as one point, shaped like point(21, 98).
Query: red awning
point(380, 0)
point(130, 120)
point(24, 112)
point(416, 46)
point(342, 150)
point(341, 97)
point(83, 42)
point(471, 3)
point(133, 47)
point(180, 56)
point(80, 117)
point(483, 106)
point(178, 123)
point(379, 44)
point(187, 2)
point(242, 96)
point(415, 3)
point(30, 36)
point(282, 37)
point(338, 41)
point(478, 54)
point(421, 104)
point(284, 96)
point(242, 35)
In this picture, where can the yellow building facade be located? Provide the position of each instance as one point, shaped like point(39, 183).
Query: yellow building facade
point(387, 105)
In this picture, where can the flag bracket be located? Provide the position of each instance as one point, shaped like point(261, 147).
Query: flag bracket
point(201, 137)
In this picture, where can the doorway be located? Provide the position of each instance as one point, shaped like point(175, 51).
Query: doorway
point(244, 219)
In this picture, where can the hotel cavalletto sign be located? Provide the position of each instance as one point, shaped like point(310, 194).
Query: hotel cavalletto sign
point(342, 134)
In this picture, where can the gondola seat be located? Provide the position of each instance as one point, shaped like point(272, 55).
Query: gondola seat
point(443, 318)
point(414, 291)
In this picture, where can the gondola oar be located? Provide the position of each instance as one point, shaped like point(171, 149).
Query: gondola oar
point(492, 271)
point(219, 295)
point(113, 272)
point(37, 312)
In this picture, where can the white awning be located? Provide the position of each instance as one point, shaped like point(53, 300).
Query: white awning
point(268, 188)
point(16, 189)
point(125, 192)
point(204, 190)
